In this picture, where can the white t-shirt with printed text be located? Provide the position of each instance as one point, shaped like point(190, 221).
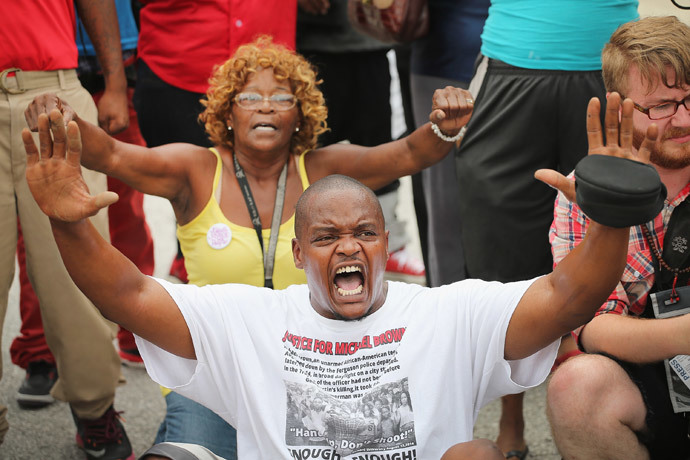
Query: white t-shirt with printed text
point(295, 384)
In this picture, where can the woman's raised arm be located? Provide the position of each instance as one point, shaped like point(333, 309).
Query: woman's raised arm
point(161, 171)
point(377, 166)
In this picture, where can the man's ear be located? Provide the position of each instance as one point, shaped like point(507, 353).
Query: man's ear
point(297, 254)
point(388, 232)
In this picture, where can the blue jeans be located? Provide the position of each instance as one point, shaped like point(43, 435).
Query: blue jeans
point(188, 421)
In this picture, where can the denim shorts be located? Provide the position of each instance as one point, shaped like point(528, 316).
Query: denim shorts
point(667, 436)
point(189, 422)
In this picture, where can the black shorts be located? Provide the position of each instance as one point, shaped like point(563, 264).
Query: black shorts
point(523, 120)
point(667, 437)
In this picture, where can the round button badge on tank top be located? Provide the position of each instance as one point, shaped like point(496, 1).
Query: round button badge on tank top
point(219, 236)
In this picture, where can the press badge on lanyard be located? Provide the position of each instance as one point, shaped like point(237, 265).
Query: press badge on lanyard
point(667, 304)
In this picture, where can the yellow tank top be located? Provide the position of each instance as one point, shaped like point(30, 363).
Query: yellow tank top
point(216, 251)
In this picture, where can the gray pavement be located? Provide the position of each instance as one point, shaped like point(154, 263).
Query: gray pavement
point(49, 433)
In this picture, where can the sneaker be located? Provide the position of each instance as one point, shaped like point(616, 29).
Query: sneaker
point(103, 438)
point(178, 270)
point(402, 266)
point(131, 358)
point(34, 392)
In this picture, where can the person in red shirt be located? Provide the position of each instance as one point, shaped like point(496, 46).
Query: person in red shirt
point(128, 230)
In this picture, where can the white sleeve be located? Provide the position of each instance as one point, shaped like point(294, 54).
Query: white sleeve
point(211, 313)
point(494, 305)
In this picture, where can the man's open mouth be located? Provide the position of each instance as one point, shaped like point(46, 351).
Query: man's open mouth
point(348, 280)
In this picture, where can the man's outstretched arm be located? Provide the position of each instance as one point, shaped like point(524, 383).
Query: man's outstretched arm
point(569, 297)
point(112, 282)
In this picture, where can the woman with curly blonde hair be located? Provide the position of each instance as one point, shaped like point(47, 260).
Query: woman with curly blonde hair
point(235, 202)
point(230, 78)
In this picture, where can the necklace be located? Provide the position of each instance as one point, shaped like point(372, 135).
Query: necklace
point(652, 245)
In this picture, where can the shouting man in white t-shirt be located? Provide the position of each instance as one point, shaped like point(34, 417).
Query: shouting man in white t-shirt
point(347, 337)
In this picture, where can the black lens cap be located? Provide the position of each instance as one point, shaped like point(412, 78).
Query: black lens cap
point(618, 192)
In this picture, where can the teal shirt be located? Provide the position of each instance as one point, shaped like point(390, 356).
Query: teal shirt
point(553, 34)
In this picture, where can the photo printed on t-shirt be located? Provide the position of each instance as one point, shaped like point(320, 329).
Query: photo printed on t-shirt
point(337, 407)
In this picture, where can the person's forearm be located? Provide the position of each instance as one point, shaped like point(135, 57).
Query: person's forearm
point(378, 166)
point(100, 20)
point(568, 297)
point(103, 274)
point(145, 170)
point(119, 290)
point(426, 148)
point(98, 147)
point(421, 149)
point(637, 340)
point(586, 277)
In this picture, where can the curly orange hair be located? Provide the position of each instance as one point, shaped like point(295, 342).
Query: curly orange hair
point(229, 78)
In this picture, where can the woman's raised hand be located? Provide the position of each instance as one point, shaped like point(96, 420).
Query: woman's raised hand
point(46, 103)
point(451, 109)
point(54, 174)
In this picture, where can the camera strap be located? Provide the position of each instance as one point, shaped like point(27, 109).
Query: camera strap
point(672, 266)
point(269, 254)
point(670, 296)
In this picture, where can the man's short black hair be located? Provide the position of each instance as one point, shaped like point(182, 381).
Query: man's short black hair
point(328, 183)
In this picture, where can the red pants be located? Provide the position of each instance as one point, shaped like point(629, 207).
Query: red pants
point(128, 232)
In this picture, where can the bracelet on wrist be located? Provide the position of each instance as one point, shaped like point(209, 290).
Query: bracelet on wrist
point(439, 133)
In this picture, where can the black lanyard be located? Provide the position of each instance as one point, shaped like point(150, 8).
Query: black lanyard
point(269, 255)
point(672, 263)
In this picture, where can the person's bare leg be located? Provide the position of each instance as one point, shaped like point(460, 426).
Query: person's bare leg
point(595, 410)
point(566, 350)
point(478, 449)
point(568, 345)
point(511, 427)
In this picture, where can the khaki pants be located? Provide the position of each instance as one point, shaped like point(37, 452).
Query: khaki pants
point(79, 337)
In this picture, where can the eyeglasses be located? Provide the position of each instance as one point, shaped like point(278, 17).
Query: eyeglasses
point(665, 110)
point(252, 101)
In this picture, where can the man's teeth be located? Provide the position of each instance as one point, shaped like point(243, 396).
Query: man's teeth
point(347, 269)
point(354, 291)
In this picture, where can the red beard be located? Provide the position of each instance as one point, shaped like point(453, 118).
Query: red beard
point(661, 155)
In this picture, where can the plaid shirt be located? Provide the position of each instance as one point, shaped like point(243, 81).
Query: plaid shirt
point(630, 296)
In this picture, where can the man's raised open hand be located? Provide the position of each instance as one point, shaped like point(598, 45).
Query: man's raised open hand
point(54, 172)
point(619, 139)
